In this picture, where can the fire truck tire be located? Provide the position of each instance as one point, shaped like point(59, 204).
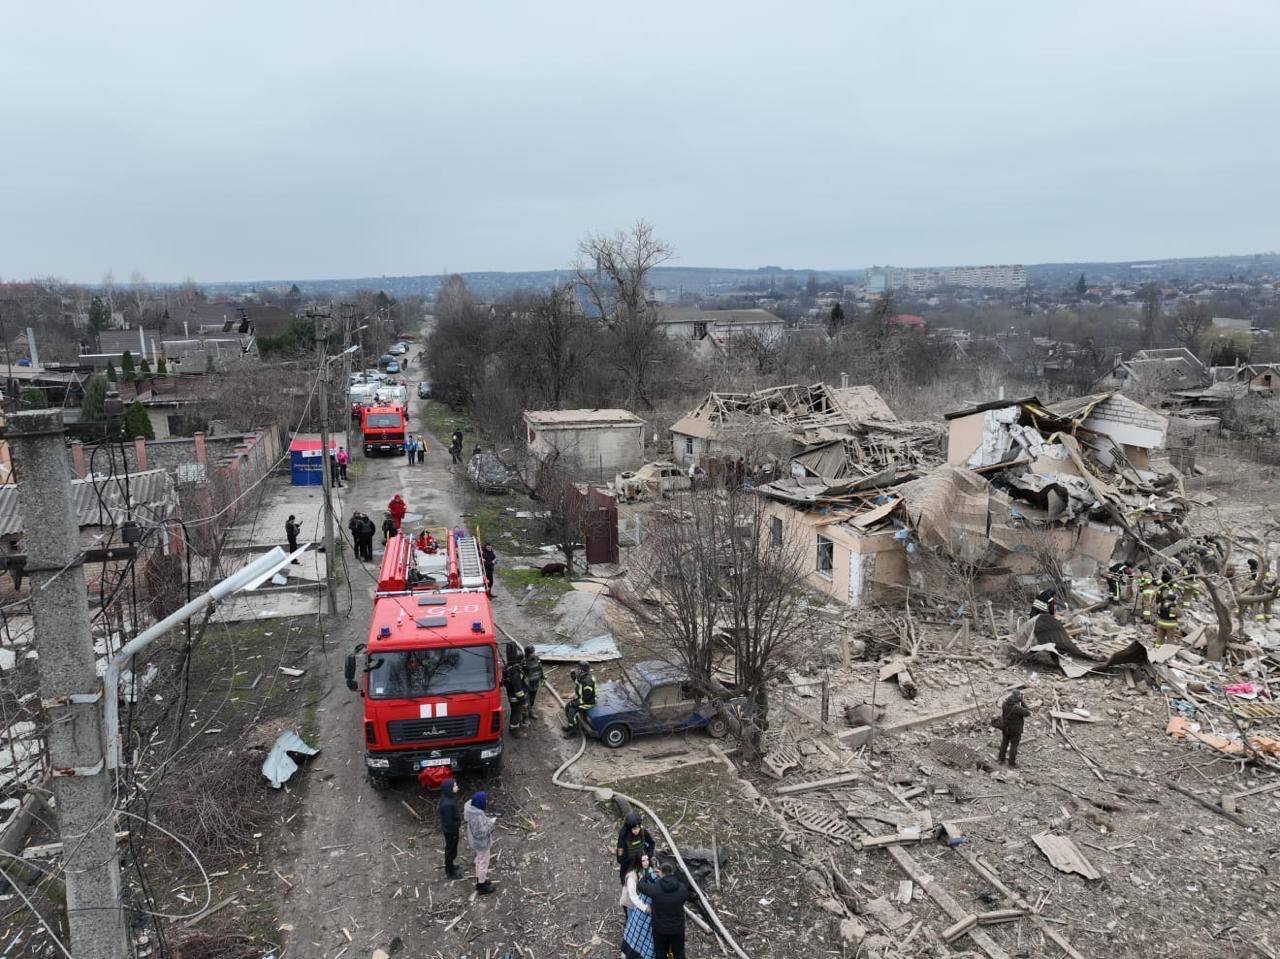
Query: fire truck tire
point(615, 736)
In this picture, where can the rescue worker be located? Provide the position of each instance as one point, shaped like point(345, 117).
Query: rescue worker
point(490, 560)
point(1190, 587)
point(388, 529)
point(517, 693)
point(455, 447)
point(532, 677)
point(1117, 577)
point(1269, 586)
point(1012, 714)
point(397, 508)
point(450, 825)
point(1167, 617)
point(633, 842)
point(1046, 603)
point(1146, 594)
point(291, 531)
point(356, 526)
point(584, 696)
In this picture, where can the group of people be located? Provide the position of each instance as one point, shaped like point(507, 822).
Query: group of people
point(415, 449)
point(523, 679)
point(362, 532)
point(653, 895)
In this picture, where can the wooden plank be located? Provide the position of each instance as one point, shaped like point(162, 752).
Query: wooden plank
point(793, 788)
point(1064, 856)
point(1074, 717)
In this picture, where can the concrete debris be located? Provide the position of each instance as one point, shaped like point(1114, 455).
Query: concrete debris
point(1064, 856)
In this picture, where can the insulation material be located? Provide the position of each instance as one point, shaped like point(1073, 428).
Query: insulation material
point(996, 439)
point(949, 508)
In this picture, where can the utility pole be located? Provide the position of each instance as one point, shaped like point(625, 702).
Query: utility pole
point(321, 321)
point(70, 690)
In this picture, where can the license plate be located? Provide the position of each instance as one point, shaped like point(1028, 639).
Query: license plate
point(424, 763)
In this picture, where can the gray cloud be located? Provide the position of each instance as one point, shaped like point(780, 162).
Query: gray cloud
point(238, 140)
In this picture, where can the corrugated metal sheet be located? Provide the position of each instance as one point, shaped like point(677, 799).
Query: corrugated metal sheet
point(100, 501)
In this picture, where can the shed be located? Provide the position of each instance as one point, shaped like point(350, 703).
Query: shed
point(306, 463)
point(604, 441)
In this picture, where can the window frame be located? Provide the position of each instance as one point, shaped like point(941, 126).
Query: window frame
point(829, 572)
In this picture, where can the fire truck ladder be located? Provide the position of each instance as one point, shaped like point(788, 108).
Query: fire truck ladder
point(470, 569)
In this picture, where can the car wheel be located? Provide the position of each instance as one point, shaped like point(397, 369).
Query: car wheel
point(615, 736)
point(717, 728)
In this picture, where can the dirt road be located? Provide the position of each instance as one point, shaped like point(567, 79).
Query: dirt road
point(367, 872)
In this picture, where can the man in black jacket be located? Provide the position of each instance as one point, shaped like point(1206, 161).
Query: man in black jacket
point(1014, 714)
point(667, 897)
point(450, 822)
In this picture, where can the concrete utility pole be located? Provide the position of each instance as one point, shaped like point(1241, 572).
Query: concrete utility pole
point(321, 321)
point(70, 690)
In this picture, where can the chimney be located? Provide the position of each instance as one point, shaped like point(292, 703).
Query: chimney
point(844, 381)
point(77, 458)
point(31, 346)
point(140, 452)
point(200, 453)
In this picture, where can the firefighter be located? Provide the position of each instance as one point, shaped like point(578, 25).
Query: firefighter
point(490, 559)
point(291, 531)
point(1117, 577)
point(1146, 594)
point(1268, 586)
point(1046, 603)
point(397, 508)
point(1190, 588)
point(584, 696)
point(517, 693)
point(1167, 617)
point(388, 529)
point(532, 677)
point(633, 842)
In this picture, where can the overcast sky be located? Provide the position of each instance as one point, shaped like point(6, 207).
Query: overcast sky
point(227, 140)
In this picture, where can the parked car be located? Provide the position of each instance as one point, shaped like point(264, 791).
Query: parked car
point(393, 366)
point(424, 389)
point(398, 349)
point(652, 697)
point(649, 480)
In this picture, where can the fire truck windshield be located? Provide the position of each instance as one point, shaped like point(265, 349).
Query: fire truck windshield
point(382, 420)
point(430, 672)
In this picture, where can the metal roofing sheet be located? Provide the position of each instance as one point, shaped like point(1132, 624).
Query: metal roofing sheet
point(100, 501)
point(582, 417)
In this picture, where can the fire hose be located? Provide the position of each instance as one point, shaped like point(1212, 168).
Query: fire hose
point(556, 777)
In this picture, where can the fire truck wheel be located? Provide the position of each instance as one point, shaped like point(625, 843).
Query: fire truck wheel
point(615, 736)
point(717, 728)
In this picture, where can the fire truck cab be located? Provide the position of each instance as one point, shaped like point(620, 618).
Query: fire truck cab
point(430, 673)
point(382, 428)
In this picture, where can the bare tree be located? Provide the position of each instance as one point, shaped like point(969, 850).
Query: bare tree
point(1190, 323)
point(567, 510)
point(613, 272)
point(553, 341)
point(727, 578)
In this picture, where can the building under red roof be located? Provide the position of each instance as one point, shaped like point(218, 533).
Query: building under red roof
point(910, 320)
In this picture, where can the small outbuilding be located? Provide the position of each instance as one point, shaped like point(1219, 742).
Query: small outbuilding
point(603, 442)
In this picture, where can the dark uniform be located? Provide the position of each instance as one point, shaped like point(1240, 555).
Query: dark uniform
point(1014, 715)
point(633, 842)
point(1147, 595)
point(1046, 603)
point(1117, 578)
point(450, 823)
point(291, 530)
point(532, 676)
point(1167, 617)
point(490, 560)
point(517, 692)
point(584, 696)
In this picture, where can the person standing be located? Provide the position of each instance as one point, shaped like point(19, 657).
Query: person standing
point(490, 560)
point(397, 508)
point(356, 527)
point(667, 897)
point(450, 824)
point(532, 677)
point(637, 931)
point(335, 474)
point(344, 460)
point(1012, 715)
point(388, 529)
point(370, 531)
point(584, 696)
point(455, 447)
point(634, 841)
point(480, 838)
point(408, 447)
point(422, 450)
point(517, 693)
point(1167, 617)
point(291, 530)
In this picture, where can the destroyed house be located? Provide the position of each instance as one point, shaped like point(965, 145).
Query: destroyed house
point(832, 433)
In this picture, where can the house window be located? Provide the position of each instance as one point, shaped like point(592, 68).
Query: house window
point(532, 436)
point(699, 331)
point(826, 557)
point(775, 531)
point(688, 445)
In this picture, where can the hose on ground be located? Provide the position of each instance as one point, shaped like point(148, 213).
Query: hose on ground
point(557, 778)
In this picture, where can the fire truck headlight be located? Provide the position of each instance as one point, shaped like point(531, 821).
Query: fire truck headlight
point(377, 762)
point(491, 753)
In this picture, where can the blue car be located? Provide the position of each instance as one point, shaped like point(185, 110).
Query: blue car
point(653, 697)
point(393, 367)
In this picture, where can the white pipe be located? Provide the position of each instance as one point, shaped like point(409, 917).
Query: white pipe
point(264, 565)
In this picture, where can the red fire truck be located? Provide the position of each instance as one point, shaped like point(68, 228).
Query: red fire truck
point(430, 674)
point(382, 428)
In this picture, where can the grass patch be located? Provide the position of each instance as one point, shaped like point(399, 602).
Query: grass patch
point(549, 588)
point(441, 419)
point(508, 532)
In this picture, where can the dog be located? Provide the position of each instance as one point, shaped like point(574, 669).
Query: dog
point(554, 569)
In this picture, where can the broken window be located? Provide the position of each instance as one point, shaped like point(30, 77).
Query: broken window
point(688, 445)
point(775, 532)
point(826, 557)
point(699, 331)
